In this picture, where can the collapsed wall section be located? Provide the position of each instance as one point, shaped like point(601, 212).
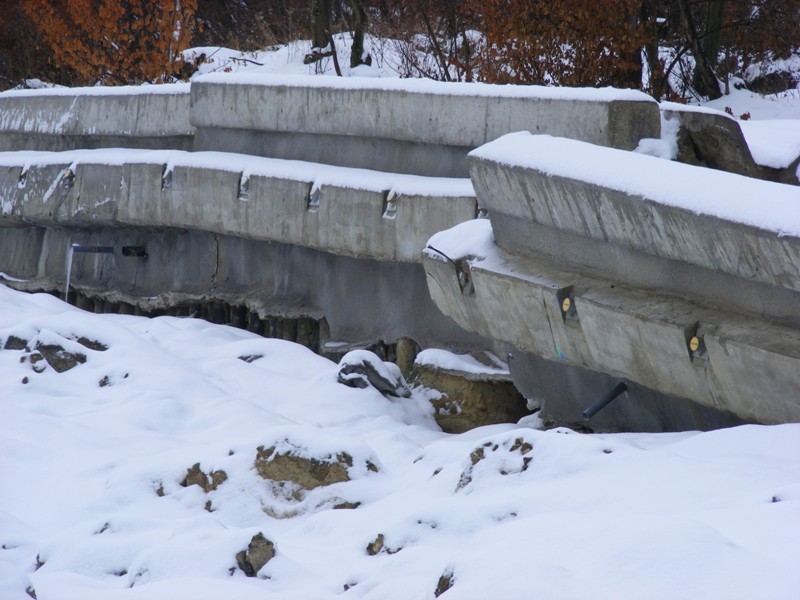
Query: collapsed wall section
point(676, 278)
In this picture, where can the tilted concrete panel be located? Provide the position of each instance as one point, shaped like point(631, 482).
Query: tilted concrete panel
point(607, 225)
point(623, 332)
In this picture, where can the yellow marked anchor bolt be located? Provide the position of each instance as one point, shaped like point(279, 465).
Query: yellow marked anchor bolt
point(566, 304)
point(694, 344)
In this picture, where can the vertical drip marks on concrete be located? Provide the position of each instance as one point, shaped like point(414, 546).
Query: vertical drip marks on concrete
point(65, 182)
point(215, 274)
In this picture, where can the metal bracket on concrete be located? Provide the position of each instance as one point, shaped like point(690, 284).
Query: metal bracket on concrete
point(244, 187)
point(129, 251)
point(166, 178)
point(313, 199)
point(566, 303)
point(390, 205)
point(462, 271)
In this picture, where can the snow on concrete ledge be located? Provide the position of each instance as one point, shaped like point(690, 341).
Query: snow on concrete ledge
point(765, 205)
point(119, 90)
point(463, 115)
point(294, 170)
point(428, 86)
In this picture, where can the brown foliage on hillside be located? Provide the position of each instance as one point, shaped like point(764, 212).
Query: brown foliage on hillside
point(568, 43)
point(115, 43)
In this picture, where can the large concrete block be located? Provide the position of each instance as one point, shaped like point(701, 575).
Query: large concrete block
point(47, 193)
point(617, 218)
point(722, 360)
point(68, 118)
point(451, 116)
point(442, 113)
point(757, 370)
point(100, 188)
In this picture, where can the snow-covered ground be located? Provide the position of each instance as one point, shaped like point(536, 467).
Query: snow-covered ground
point(91, 503)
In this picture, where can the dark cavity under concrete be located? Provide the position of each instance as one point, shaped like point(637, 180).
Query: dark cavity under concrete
point(566, 391)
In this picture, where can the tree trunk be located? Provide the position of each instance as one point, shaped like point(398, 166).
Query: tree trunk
point(705, 80)
point(712, 39)
point(357, 55)
point(633, 75)
point(320, 23)
point(648, 15)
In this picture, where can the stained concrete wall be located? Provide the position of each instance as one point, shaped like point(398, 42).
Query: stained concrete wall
point(70, 118)
point(395, 126)
point(350, 220)
point(362, 300)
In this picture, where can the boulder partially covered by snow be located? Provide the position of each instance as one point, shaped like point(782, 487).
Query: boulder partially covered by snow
point(362, 368)
point(259, 552)
point(469, 390)
point(308, 464)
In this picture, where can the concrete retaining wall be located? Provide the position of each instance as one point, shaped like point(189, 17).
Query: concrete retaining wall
point(308, 239)
point(388, 125)
point(69, 118)
point(361, 300)
point(386, 217)
point(749, 368)
point(615, 230)
point(643, 277)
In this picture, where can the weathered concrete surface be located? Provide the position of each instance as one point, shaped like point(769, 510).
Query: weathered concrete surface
point(643, 277)
point(68, 118)
point(625, 333)
point(311, 122)
point(349, 219)
point(362, 300)
point(634, 222)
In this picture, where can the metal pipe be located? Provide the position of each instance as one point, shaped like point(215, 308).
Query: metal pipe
point(73, 248)
point(93, 249)
point(595, 408)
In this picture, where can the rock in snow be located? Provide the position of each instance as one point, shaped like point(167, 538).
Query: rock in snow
point(362, 368)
